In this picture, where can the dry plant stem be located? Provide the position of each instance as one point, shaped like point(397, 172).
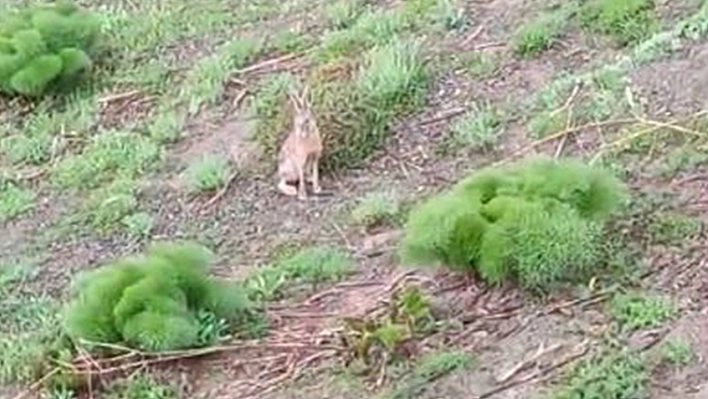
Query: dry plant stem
point(526, 363)
point(443, 115)
point(239, 98)
point(472, 36)
point(558, 135)
point(568, 102)
point(654, 126)
point(164, 357)
point(539, 374)
point(119, 96)
point(268, 63)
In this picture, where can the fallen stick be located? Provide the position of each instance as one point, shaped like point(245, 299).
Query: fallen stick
point(37, 384)
point(536, 375)
point(267, 63)
point(443, 115)
point(120, 96)
point(526, 363)
point(472, 36)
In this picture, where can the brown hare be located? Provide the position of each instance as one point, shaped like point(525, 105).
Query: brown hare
point(301, 151)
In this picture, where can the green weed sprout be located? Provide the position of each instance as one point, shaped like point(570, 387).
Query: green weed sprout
point(155, 302)
point(539, 221)
point(45, 45)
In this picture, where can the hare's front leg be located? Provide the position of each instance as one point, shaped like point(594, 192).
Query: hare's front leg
point(316, 176)
point(301, 189)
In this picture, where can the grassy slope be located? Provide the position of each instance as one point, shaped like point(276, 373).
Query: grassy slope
point(64, 158)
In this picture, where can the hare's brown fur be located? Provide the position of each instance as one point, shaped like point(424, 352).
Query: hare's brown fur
point(301, 151)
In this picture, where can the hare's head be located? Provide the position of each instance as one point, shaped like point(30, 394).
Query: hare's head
point(304, 119)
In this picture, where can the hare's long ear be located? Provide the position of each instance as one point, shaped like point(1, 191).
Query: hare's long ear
point(295, 101)
point(305, 96)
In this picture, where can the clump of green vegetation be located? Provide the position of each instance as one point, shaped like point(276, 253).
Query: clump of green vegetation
point(342, 14)
point(374, 341)
point(290, 40)
point(447, 16)
point(634, 311)
point(14, 200)
point(107, 206)
point(673, 228)
point(140, 386)
point(677, 353)
point(429, 368)
point(207, 174)
point(139, 225)
point(314, 266)
point(40, 134)
point(627, 21)
point(538, 221)
point(477, 64)
point(153, 302)
point(371, 28)
point(166, 126)
point(29, 326)
point(270, 105)
point(355, 116)
point(108, 155)
point(539, 35)
point(43, 46)
point(681, 159)
point(620, 375)
point(477, 129)
point(600, 95)
point(376, 209)
point(205, 82)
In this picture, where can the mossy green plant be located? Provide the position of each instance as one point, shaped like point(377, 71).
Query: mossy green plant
point(539, 221)
point(42, 46)
point(152, 302)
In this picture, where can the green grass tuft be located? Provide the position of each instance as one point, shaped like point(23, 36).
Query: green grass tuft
point(371, 28)
point(478, 65)
point(634, 311)
point(152, 302)
point(355, 116)
point(140, 386)
point(29, 326)
point(205, 82)
point(270, 105)
point(673, 228)
point(538, 36)
point(314, 266)
point(393, 75)
point(376, 209)
point(617, 375)
point(477, 129)
point(139, 225)
point(341, 14)
point(627, 21)
point(107, 156)
point(106, 207)
point(677, 353)
point(207, 174)
point(538, 221)
point(14, 201)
